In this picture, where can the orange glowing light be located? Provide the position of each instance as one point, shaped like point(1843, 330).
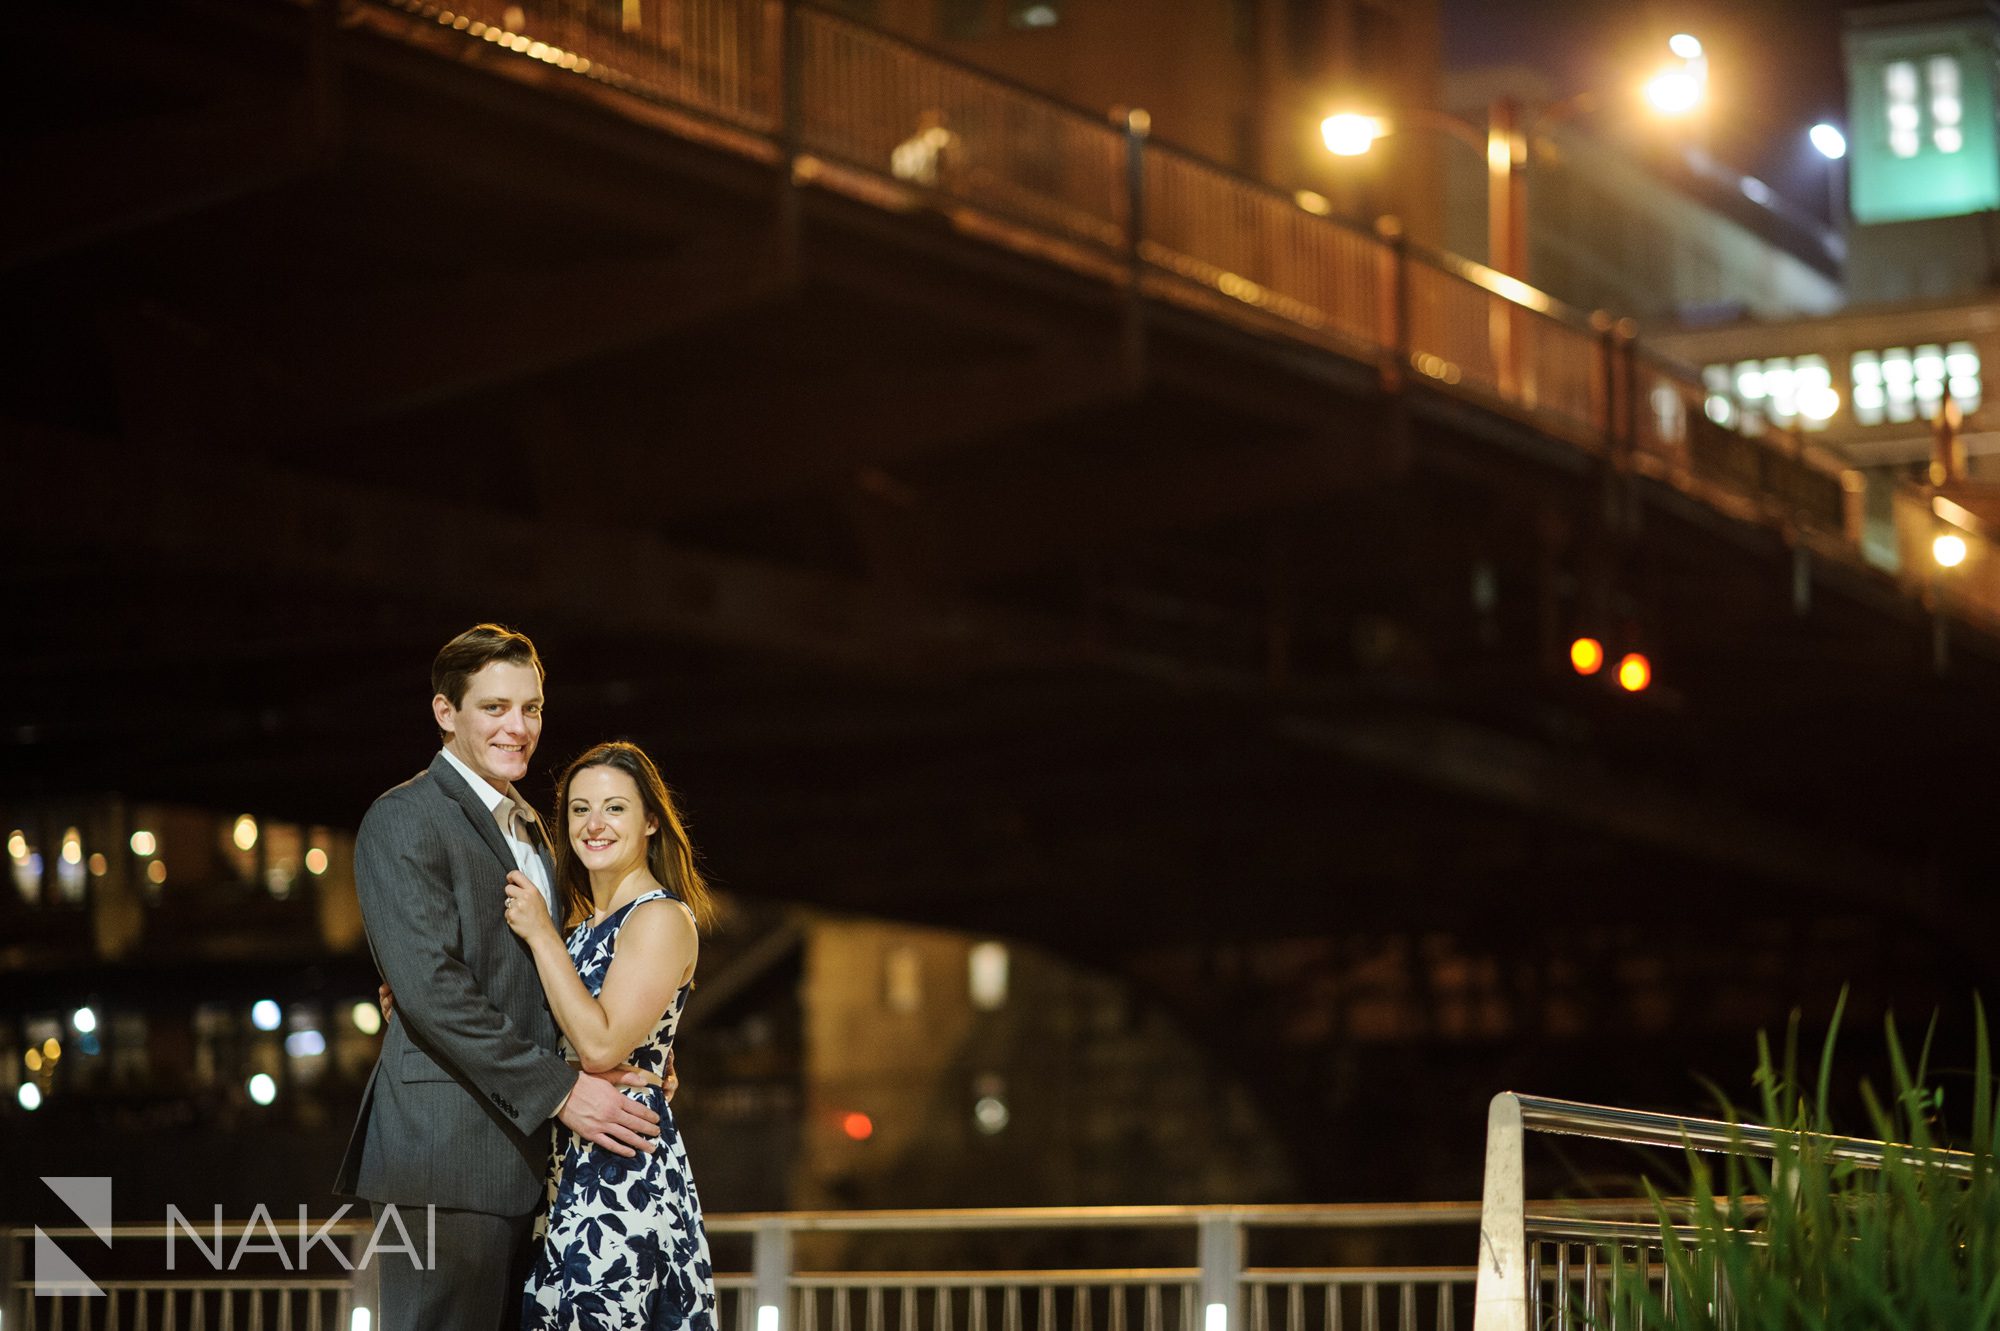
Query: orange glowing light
point(1587, 656)
point(858, 1126)
point(1635, 672)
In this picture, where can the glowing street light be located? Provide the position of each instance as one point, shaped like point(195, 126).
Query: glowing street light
point(1832, 144)
point(1674, 92)
point(1350, 134)
point(1949, 550)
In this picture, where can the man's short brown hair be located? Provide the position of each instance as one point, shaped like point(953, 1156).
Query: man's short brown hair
point(472, 651)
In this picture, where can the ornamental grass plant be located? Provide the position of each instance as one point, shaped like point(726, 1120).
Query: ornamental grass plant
point(1806, 1240)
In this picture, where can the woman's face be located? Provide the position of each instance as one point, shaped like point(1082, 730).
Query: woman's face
point(608, 825)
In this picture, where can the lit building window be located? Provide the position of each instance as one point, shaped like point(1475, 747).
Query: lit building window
point(1795, 392)
point(1947, 106)
point(902, 980)
point(986, 976)
point(1899, 83)
point(1865, 373)
point(1899, 385)
point(1915, 94)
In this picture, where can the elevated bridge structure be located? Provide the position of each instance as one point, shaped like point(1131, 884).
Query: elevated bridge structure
point(990, 514)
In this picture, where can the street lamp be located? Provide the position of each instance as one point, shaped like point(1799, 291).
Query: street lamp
point(1832, 145)
point(1675, 91)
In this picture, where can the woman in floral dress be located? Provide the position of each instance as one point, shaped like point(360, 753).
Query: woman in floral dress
point(623, 1246)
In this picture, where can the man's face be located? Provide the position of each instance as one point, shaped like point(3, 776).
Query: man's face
point(496, 730)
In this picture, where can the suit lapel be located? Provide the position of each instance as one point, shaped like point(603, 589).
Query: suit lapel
point(481, 817)
point(542, 849)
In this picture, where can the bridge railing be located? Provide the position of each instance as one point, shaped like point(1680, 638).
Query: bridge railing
point(1542, 1265)
point(812, 1271)
point(851, 108)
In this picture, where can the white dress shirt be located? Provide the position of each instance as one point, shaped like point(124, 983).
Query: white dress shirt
point(525, 857)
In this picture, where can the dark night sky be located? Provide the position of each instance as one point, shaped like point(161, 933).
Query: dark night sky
point(1775, 66)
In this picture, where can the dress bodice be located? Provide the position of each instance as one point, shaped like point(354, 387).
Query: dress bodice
point(591, 947)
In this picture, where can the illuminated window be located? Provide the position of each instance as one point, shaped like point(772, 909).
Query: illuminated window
point(1901, 385)
point(1947, 107)
point(1919, 94)
point(1795, 392)
point(986, 975)
point(902, 980)
point(1899, 83)
point(1865, 373)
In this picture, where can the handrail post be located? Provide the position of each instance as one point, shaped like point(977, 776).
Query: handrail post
point(13, 1300)
point(791, 134)
point(367, 1290)
point(1132, 330)
point(1501, 1299)
point(1392, 302)
point(1219, 1245)
point(771, 1273)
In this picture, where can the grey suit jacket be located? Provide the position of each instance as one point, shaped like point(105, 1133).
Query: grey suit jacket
point(456, 1112)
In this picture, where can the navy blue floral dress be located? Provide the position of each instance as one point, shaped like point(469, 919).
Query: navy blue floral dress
point(622, 1246)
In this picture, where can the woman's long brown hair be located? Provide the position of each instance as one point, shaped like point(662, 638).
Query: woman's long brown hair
point(669, 853)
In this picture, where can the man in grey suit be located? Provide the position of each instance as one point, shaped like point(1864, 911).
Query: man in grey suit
point(456, 1114)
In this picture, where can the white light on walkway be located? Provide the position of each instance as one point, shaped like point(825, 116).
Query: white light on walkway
point(1832, 144)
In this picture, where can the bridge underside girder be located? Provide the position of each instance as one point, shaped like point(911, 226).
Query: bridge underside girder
point(942, 585)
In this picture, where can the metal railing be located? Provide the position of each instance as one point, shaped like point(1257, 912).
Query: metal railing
point(1542, 1265)
point(843, 106)
point(804, 1272)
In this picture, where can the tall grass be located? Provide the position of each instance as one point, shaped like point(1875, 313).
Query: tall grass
point(1804, 1241)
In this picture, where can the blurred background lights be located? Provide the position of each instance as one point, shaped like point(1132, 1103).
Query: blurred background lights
point(315, 861)
point(305, 1044)
point(1832, 144)
point(367, 1018)
point(264, 1014)
point(144, 843)
point(244, 833)
point(51, 1049)
point(33, 1060)
point(156, 872)
point(990, 1115)
point(1949, 550)
point(1586, 656)
point(17, 846)
point(29, 1096)
point(99, 866)
point(858, 1126)
point(1685, 45)
point(83, 1020)
point(263, 1089)
point(72, 846)
point(1635, 672)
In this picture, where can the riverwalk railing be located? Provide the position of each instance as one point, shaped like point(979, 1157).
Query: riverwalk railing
point(838, 105)
point(1543, 1265)
point(1190, 1268)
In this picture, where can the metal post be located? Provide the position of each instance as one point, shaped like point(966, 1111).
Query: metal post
point(1506, 204)
point(1501, 1294)
point(771, 1273)
point(1132, 332)
point(1393, 303)
point(1220, 1254)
